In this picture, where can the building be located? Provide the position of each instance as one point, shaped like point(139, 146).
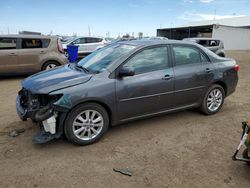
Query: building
point(234, 32)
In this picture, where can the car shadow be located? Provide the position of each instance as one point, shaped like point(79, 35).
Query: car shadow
point(157, 119)
point(14, 77)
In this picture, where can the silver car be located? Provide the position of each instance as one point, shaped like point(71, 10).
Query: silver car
point(86, 44)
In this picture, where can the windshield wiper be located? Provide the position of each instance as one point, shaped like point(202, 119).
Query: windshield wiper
point(82, 68)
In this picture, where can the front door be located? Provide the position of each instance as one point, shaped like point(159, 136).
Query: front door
point(150, 90)
point(30, 53)
point(8, 55)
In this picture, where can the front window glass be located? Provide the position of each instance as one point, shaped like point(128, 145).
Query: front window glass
point(149, 60)
point(100, 59)
point(7, 43)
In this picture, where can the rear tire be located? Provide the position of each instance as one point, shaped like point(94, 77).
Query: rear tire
point(213, 100)
point(50, 65)
point(86, 124)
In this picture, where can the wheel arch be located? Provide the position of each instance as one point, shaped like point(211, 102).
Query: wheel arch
point(99, 102)
point(222, 84)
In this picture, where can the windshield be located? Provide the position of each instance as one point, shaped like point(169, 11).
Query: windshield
point(100, 59)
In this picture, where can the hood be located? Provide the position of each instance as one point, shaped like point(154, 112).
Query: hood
point(54, 79)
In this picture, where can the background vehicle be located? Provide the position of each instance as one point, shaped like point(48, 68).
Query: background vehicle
point(125, 81)
point(29, 53)
point(245, 140)
point(154, 38)
point(86, 44)
point(214, 45)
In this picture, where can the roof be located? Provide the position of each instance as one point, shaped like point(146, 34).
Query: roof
point(140, 43)
point(26, 36)
point(201, 38)
point(242, 21)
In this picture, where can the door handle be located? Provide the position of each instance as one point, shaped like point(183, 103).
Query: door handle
point(167, 77)
point(208, 70)
point(42, 52)
point(12, 54)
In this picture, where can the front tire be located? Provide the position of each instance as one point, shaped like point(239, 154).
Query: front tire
point(213, 100)
point(86, 124)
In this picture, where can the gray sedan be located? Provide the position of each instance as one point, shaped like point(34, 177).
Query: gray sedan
point(125, 81)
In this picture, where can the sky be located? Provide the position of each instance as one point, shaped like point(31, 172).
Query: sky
point(111, 17)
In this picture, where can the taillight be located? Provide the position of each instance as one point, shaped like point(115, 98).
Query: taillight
point(236, 68)
point(59, 46)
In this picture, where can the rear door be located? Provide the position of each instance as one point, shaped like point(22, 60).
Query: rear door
point(92, 43)
point(8, 55)
point(81, 43)
point(30, 52)
point(150, 90)
point(193, 73)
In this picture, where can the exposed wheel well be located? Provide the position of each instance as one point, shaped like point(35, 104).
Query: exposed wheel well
point(101, 104)
point(223, 85)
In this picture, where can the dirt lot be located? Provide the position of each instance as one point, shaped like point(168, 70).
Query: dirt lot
point(185, 149)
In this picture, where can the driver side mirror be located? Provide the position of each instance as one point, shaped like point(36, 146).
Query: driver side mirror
point(123, 72)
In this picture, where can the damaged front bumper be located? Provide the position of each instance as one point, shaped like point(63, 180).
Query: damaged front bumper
point(43, 109)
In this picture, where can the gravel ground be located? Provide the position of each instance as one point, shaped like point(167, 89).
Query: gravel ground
point(184, 149)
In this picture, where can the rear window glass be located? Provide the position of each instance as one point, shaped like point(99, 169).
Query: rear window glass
point(31, 43)
point(7, 43)
point(98, 40)
point(93, 40)
point(203, 42)
point(214, 43)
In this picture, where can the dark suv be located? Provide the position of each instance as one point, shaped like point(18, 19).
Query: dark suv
point(125, 81)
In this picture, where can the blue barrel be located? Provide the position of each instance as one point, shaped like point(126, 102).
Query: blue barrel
point(72, 53)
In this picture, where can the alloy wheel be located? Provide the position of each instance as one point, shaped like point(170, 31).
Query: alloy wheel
point(214, 100)
point(87, 125)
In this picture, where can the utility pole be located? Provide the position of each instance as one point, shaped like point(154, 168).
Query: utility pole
point(8, 30)
point(215, 12)
point(89, 31)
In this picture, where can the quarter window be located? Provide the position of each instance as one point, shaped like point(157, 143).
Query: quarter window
point(149, 60)
point(46, 43)
point(187, 55)
point(7, 43)
point(31, 43)
point(98, 40)
point(214, 43)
